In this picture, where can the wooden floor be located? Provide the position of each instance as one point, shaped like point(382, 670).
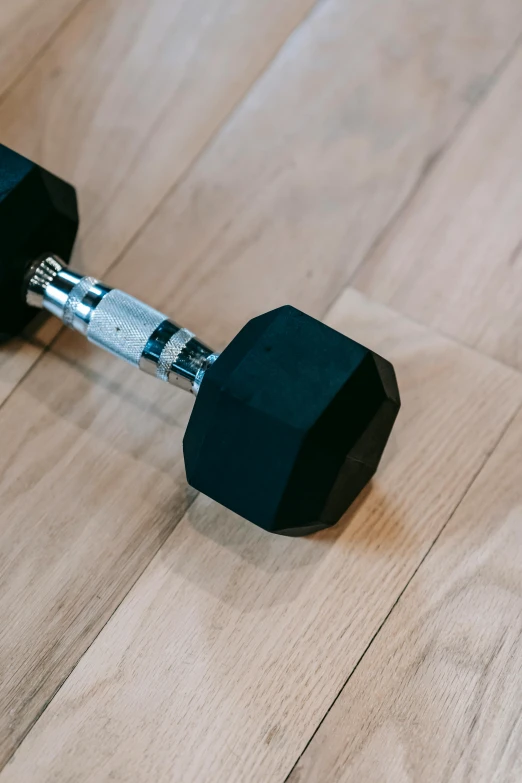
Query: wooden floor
point(361, 160)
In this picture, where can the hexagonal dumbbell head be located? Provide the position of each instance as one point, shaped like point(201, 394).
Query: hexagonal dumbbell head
point(38, 214)
point(290, 423)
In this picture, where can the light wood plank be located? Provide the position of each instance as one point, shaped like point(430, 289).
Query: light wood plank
point(354, 108)
point(122, 103)
point(438, 696)
point(26, 26)
point(92, 482)
point(19, 355)
point(232, 645)
point(327, 146)
point(455, 259)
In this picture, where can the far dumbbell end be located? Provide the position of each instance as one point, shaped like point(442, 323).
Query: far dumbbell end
point(38, 214)
point(290, 423)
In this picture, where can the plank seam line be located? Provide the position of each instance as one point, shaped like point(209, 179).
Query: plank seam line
point(266, 67)
point(178, 182)
point(58, 688)
point(18, 78)
point(183, 175)
point(450, 338)
point(429, 164)
point(489, 454)
point(469, 486)
point(433, 159)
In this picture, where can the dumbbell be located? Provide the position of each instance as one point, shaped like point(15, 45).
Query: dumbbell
point(289, 421)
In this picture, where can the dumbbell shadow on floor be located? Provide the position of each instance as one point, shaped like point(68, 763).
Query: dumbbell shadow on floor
point(290, 420)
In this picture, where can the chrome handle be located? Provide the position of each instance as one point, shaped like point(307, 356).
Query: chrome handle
point(119, 323)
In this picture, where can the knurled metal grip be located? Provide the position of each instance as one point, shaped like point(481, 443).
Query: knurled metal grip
point(120, 324)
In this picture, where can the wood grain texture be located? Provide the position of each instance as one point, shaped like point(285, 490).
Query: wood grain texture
point(92, 482)
point(312, 167)
point(325, 149)
point(454, 260)
point(222, 660)
point(124, 100)
point(438, 696)
point(227, 652)
point(26, 27)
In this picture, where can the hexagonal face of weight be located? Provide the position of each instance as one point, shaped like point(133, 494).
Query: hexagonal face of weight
point(38, 214)
point(290, 423)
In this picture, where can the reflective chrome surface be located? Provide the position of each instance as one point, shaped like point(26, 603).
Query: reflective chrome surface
point(120, 324)
point(202, 370)
point(40, 276)
point(155, 345)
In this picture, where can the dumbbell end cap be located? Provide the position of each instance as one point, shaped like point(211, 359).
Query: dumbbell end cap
point(38, 215)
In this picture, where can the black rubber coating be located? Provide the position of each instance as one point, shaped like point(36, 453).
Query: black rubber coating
point(290, 423)
point(38, 214)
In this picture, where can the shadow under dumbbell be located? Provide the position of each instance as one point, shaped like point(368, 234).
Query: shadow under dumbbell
point(122, 411)
point(246, 554)
point(99, 371)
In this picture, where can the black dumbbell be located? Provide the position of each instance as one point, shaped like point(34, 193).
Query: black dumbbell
point(289, 422)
